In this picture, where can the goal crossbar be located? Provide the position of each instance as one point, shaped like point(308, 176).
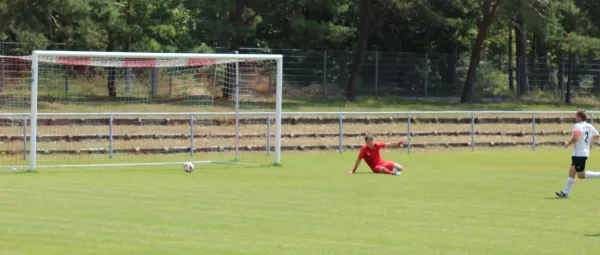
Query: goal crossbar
point(150, 55)
point(35, 61)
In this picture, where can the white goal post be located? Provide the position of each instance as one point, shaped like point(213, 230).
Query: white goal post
point(40, 58)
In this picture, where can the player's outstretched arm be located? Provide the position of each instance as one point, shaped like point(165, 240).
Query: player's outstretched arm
point(356, 164)
point(396, 144)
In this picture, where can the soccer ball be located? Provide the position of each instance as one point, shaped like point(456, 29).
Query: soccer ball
point(188, 167)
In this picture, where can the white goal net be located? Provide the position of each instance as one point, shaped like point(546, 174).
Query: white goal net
point(101, 108)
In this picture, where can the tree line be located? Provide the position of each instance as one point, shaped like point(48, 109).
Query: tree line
point(553, 29)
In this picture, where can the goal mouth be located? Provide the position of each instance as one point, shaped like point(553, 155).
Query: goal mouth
point(141, 109)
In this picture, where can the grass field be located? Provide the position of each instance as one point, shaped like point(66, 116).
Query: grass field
point(313, 104)
point(445, 203)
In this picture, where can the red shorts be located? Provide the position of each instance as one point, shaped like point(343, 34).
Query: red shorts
point(389, 165)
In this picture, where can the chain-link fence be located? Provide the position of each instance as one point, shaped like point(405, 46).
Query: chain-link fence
point(326, 73)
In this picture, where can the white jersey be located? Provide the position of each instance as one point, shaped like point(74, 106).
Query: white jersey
point(586, 132)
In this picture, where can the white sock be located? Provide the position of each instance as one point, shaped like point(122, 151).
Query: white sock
point(589, 174)
point(567, 188)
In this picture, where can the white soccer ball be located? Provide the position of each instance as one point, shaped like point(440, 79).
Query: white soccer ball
point(188, 167)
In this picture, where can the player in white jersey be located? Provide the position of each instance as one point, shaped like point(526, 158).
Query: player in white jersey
point(584, 134)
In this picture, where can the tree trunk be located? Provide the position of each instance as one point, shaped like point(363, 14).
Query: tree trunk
point(532, 58)
point(235, 17)
point(569, 79)
point(521, 52)
point(561, 73)
point(358, 59)
point(112, 88)
point(542, 63)
point(488, 15)
point(595, 64)
point(511, 82)
point(2, 59)
point(129, 22)
point(596, 85)
point(576, 73)
point(112, 72)
point(451, 72)
point(360, 47)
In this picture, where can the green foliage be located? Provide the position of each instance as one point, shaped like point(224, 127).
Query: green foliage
point(187, 25)
point(491, 82)
point(174, 25)
point(555, 28)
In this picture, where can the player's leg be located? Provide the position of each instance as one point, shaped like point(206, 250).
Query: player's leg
point(570, 179)
point(577, 168)
point(590, 174)
point(383, 170)
point(387, 167)
point(398, 167)
point(579, 163)
point(582, 173)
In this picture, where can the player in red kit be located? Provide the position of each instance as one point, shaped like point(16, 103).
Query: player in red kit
point(370, 153)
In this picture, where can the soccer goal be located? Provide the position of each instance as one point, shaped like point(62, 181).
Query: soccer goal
point(123, 108)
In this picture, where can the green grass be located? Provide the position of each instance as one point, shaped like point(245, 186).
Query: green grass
point(446, 203)
point(316, 104)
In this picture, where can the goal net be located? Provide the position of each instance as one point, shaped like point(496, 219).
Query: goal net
point(64, 108)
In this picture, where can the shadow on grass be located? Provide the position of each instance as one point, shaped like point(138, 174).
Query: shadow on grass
point(556, 198)
point(592, 235)
point(18, 171)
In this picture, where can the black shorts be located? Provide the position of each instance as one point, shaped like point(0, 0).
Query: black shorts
point(579, 163)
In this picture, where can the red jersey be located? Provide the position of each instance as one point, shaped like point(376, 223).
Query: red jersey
point(371, 155)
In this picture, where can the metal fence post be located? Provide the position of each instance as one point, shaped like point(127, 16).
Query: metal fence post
point(376, 73)
point(110, 136)
point(1, 72)
point(325, 73)
point(67, 76)
point(408, 135)
point(533, 131)
point(128, 82)
point(426, 73)
point(154, 87)
point(473, 92)
point(170, 81)
point(268, 135)
point(24, 137)
point(563, 84)
point(341, 134)
point(192, 136)
point(472, 131)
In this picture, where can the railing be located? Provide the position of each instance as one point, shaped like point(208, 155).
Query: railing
point(296, 125)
